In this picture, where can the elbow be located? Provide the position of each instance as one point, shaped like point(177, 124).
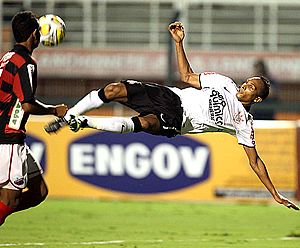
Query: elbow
point(26, 107)
point(184, 77)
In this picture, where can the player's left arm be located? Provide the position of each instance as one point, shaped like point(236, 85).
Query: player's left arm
point(260, 169)
point(36, 107)
point(187, 75)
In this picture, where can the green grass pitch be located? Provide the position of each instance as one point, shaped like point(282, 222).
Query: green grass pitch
point(92, 223)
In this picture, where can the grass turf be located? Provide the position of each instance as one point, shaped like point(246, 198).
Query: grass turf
point(84, 223)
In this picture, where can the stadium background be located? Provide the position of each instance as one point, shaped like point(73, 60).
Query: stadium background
point(111, 40)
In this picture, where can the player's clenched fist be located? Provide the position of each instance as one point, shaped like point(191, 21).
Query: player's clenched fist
point(177, 31)
point(61, 110)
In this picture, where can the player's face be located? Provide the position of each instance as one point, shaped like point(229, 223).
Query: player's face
point(249, 91)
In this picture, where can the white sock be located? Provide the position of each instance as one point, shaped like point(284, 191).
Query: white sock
point(113, 124)
point(90, 101)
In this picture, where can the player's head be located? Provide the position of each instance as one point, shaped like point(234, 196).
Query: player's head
point(254, 90)
point(25, 28)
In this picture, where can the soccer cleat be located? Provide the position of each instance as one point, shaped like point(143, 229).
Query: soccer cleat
point(54, 126)
point(76, 123)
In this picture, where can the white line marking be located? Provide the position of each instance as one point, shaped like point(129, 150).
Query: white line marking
point(108, 242)
point(100, 242)
point(82, 243)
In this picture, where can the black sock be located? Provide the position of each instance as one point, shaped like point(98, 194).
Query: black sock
point(102, 96)
point(137, 124)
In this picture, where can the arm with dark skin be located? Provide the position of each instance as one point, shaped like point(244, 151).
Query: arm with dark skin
point(38, 108)
point(187, 74)
point(260, 170)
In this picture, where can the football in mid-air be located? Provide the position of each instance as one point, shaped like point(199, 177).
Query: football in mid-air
point(52, 29)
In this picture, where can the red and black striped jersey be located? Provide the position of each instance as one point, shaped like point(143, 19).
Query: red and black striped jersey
point(18, 82)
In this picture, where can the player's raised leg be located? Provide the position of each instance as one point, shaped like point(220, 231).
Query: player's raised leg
point(96, 98)
point(148, 123)
point(112, 92)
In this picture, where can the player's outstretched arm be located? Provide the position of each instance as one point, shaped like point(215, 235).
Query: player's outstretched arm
point(38, 108)
point(187, 75)
point(261, 171)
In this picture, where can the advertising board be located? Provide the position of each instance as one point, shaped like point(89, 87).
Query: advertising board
point(93, 164)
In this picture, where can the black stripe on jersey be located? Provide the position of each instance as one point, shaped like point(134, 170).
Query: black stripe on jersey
point(4, 105)
point(4, 117)
point(11, 68)
point(6, 87)
point(27, 88)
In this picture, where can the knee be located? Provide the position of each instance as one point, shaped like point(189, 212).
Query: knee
point(38, 194)
point(114, 91)
point(150, 125)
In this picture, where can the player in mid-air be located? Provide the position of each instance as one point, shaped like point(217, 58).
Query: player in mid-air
point(18, 83)
point(211, 103)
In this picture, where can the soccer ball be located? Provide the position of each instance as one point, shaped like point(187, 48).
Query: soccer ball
point(52, 29)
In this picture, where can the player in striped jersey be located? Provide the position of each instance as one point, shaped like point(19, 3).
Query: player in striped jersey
point(18, 83)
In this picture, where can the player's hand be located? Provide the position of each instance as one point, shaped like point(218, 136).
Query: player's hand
point(61, 110)
point(286, 202)
point(176, 29)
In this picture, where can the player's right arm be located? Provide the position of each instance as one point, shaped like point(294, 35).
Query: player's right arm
point(37, 108)
point(260, 170)
point(187, 74)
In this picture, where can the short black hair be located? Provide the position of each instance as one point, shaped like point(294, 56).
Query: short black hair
point(264, 91)
point(23, 25)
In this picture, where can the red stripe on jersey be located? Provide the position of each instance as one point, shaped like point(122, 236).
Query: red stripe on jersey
point(18, 60)
point(7, 77)
point(4, 97)
point(18, 88)
point(10, 130)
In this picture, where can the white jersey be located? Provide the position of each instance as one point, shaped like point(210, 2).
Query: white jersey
point(215, 108)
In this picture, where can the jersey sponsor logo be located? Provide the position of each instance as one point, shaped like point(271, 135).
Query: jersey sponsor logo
point(38, 149)
point(139, 163)
point(16, 116)
point(216, 107)
point(238, 117)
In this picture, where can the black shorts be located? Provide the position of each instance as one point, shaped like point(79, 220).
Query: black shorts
point(151, 98)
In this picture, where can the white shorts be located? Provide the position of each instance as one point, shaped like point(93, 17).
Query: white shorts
point(17, 166)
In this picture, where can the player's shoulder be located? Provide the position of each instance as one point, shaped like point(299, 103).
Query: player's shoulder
point(22, 56)
point(216, 80)
point(215, 76)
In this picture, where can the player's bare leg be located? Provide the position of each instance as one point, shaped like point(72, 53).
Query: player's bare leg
point(16, 200)
point(36, 193)
point(150, 124)
point(9, 200)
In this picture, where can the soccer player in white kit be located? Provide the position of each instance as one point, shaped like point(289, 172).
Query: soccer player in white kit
point(211, 103)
